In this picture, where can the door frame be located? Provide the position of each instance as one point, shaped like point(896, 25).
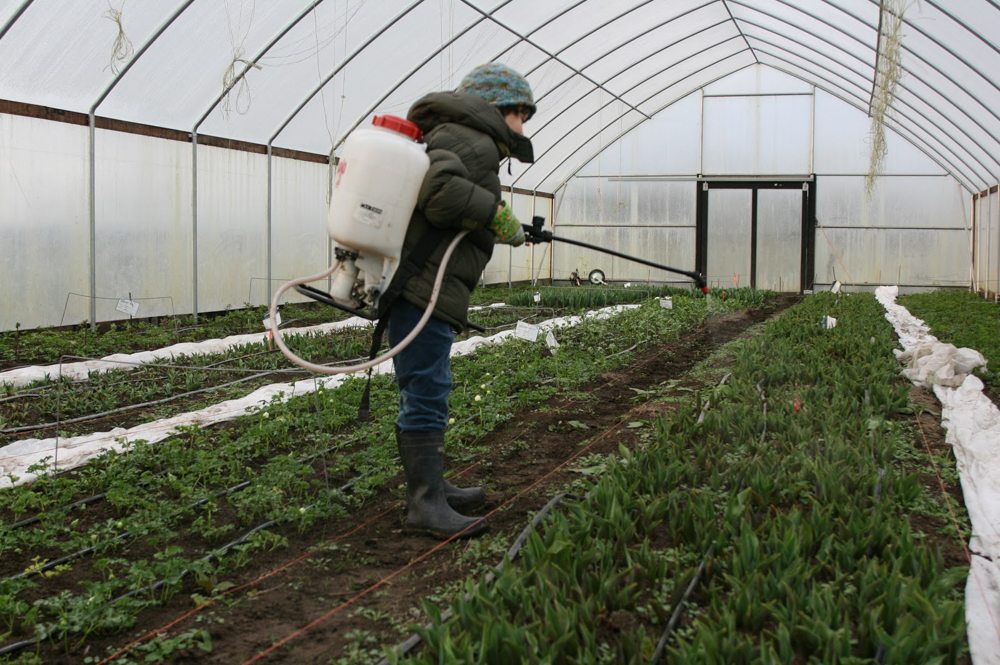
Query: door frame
point(807, 184)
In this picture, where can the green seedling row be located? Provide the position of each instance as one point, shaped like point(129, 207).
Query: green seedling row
point(293, 457)
point(45, 346)
point(187, 383)
point(963, 319)
point(801, 479)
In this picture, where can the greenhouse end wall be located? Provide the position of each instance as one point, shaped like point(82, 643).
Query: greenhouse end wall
point(145, 228)
point(638, 195)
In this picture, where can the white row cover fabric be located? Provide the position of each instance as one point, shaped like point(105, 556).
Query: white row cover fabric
point(301, 74)
point(972, 422)
point(62, 454)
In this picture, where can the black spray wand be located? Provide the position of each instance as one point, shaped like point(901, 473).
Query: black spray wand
point(533, 233)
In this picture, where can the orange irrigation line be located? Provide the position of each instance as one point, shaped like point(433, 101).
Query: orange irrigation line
point(274, 571)
point(958, 530)
point(288, 564)
point(385, 580)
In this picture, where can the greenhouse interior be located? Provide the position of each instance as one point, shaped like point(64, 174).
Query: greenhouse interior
point(641, 331)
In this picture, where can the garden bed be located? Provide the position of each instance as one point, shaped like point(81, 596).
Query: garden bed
point(329, 593)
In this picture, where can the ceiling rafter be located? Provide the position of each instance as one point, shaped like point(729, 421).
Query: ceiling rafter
point(902, 85)
point(736, 24)
point(530, 42)
point(645, 118)
point(13, 18)
point(831, 87)
point(902, 113)
point(568, 107)
point(959, 108)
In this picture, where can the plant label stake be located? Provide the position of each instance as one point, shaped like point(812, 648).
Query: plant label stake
point(526, 331)
point(127, 306)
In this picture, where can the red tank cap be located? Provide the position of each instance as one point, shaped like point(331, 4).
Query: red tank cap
point(397, 124)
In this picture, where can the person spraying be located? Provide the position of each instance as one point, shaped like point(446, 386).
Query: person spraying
point(468, 132)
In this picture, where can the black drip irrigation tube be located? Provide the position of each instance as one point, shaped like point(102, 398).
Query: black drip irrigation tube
point(675, 616)
point(218, 553)
point(413, 640)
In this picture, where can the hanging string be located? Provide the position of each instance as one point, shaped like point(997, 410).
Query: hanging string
point(121, 50)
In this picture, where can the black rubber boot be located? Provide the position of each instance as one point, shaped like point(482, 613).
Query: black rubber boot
point(459, 498)
point(427, 506)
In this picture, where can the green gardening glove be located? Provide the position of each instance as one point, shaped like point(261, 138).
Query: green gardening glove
point(506, 227)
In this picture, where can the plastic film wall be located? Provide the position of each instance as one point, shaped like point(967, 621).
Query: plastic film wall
point(758, 125)
point(146, 237)
point(641, 104)
point(986, 243)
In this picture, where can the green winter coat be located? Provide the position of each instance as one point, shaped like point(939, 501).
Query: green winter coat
point(466, 138)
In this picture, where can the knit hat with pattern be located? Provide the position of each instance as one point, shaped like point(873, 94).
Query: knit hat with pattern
point(499, 85)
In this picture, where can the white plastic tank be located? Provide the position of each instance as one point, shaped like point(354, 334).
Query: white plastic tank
point(375, 188)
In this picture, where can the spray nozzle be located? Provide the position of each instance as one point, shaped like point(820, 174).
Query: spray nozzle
point(345, 277)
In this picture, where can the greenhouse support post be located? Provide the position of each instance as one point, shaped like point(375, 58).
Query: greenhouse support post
point(92, 122)
point(194, 223)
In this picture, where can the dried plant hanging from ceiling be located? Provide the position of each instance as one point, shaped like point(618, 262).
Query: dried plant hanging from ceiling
point(888, 69)
point(121, 49)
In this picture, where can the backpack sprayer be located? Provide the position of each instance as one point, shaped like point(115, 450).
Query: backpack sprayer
point(375, 191)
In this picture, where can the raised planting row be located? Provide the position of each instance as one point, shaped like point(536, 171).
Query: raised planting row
point(965, 320)
point(84, 552)
point(44, 346)
point(122, 398)
point(786, 505)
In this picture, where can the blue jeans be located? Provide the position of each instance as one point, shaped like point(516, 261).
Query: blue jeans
point(423, 369)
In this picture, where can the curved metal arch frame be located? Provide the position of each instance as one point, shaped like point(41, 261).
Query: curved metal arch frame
point(861, 105)
point(934, 40)
point(633, 87)
point(904, 132)
point(895, 108)
point(957, 20)
point(14, 17)
point(551, 56)
point(907, 133)
point(906, 70)
point(579, 39)
point(405, 77)
point(637, 84)
point(92, 149)
point(913, 137)
point(632, 128)
point(635, 63)
point(194, 155)
point(946, 76)
point(654, 113)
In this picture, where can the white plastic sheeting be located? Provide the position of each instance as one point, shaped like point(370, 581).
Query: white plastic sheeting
point(972, 422)
point(81, 370)
point(304, 72)
point(188, 229)
point(61, 454)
